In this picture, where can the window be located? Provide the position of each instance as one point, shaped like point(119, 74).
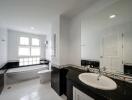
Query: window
point(35, 42)
point(29, 61)
point(24, 51)
point(29, 51)
point(35, 51)
point(24, 41)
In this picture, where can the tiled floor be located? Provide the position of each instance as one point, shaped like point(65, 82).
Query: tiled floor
point(30, 90)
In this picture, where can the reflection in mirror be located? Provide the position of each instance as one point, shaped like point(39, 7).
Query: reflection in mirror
point(106, 37)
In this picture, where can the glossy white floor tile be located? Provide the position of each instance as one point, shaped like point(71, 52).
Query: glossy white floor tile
point(30, 90)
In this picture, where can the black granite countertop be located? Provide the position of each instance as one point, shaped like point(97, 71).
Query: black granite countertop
point(123, 91)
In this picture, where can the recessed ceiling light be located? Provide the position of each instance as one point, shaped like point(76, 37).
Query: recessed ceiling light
point(112, 16)
point(32, 28)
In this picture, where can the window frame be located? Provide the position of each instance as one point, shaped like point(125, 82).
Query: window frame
point(29, 46)
point(24, 37)
point(34, 38)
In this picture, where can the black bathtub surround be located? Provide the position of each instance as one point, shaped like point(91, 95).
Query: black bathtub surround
point(15, 64)
point(10, 64)
point(2, 80)
point(3, 70)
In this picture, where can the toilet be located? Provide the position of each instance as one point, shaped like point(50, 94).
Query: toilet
point(45, 76)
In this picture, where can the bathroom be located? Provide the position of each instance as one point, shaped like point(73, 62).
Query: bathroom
point(76, 50)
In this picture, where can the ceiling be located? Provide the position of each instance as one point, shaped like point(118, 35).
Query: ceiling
point(101, 20)
point(21, 15)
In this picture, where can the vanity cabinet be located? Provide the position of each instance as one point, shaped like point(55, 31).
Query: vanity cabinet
point(79, 95)
point(58, 80)
point(55, 80)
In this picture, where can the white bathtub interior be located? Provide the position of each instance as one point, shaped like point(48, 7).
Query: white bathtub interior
point(16, 75)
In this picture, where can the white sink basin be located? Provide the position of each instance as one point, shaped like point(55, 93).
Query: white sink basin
point(104, 83)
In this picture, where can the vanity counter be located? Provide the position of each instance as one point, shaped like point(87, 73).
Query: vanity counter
point(123, 91)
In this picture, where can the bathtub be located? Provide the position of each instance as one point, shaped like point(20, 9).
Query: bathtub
point(20, 74)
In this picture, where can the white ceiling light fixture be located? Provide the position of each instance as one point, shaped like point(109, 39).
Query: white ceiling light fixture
point(112, 16)
point(32, 28)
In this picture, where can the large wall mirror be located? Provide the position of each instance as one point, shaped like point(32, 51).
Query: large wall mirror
point(107, 37)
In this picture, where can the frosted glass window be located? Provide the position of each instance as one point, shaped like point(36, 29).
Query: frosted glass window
point(30, 63)
point(34, 59)
point(21, 64)
point(35, 42)
point(26, 59)
point(26, 63)
point(34, 62)
point(38, 59)
point(38, 62)
point(35, 51)
point(30, 59)
point(29, 51)
point(21, 60)
point(24, 51)
point(24, 41)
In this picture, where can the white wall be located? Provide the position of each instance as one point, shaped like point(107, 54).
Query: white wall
point(89, 26)
point(90, 43)
point(13, 41)
point(64, 40)
point(79, 26)
point(3, 46)
point(60, 27)
point(75, 42)
point(86, 30)
point(125, 52)
point(56, 30)
point(68, 36)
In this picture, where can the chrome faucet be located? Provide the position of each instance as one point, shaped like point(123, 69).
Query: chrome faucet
point(101, 70)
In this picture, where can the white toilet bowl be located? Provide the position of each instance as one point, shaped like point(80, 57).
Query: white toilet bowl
point(45, 76)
